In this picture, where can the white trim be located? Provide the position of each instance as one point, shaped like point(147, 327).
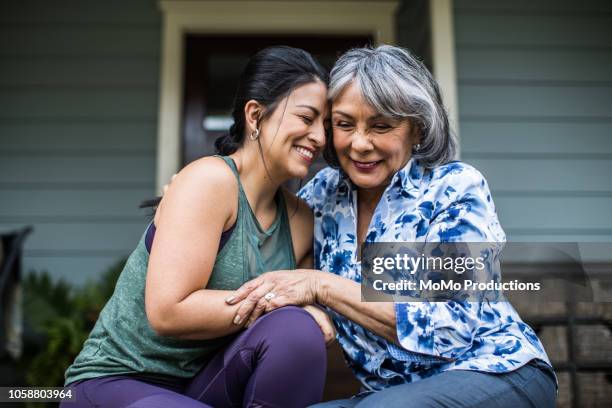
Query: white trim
point(375, 18)
point(443, 55)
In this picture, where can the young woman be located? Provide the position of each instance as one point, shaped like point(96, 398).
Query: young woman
point(167, 336)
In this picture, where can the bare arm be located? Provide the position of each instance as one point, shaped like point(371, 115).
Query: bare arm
point(304, 287)
point(189, 226)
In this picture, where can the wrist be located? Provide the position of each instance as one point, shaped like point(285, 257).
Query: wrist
point(321, 287)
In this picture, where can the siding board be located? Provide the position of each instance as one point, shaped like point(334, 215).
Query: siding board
point(79, 40)
point(533, 30)
point(79, 11)
point(67, 72)
point(527, 138)
point(78, 90)
point(83, 239)
point(551, 214)
point(71, 202)
point(531, 6)
point(108, 169)
point(565, 177)
point(77, 138)
point(535, 65)
point(540, 101)
point(89, 103)
point(535, 90)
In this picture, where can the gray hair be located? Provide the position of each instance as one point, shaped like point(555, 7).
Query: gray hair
point(396, 84)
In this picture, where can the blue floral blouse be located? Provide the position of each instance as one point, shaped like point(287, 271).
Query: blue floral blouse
point(450, 203)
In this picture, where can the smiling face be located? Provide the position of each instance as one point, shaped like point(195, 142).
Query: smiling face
point(370, 147)
point(293, 136)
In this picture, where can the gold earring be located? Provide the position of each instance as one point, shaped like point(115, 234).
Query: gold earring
point(254, 135)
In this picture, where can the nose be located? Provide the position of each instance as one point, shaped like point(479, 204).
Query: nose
point(361, 142)
point(318, 135)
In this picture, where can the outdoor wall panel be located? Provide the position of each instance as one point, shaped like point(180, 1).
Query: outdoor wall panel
point(119, 169)
point(79, 72)
point(77, 138)
point(536, 175)
point(79, 96)
point(70, 203)
point(530, 137)
point(79, 39)
point(535, 90)
point(84, 238)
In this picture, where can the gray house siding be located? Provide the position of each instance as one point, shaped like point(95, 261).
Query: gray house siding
point(535, 98)
point(78, 98)
point(78, 91)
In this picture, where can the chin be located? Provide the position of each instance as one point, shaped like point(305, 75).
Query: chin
point(365, 181)
point(298, 171)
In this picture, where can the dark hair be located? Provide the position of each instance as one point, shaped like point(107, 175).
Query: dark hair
point(269, 76)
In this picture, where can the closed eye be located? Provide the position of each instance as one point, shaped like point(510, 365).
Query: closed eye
point(343, 124)
point(307, 119)
point(381, 127)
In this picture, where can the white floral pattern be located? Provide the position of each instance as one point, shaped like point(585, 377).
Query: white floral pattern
point(450, 203)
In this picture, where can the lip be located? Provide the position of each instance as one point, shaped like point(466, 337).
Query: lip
point(306, 158)
point(366, 167)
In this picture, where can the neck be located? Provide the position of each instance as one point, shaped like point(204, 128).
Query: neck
point(259, 187)
point(369, 197)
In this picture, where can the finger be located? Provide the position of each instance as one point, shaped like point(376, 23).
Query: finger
point(276, 302)
point(331, 336)
point(248, 305)
point(259, 309)
point(243, 291)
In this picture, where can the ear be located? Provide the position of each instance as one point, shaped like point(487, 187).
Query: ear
point(415, 133)
point(252, 115)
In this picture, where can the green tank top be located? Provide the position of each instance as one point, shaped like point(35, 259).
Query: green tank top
point(123, 342)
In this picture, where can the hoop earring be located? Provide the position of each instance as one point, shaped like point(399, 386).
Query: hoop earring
point(254, 135)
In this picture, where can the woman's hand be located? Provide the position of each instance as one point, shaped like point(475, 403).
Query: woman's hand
point(165, 189)
point(324, 321)
point(272, 290)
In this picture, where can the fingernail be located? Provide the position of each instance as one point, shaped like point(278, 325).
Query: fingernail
point(237, 319)
point(229, 299)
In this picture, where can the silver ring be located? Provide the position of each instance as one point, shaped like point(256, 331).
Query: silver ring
point(269, 296)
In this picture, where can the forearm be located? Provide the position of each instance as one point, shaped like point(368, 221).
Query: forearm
point(344, 296)
point(204, 314)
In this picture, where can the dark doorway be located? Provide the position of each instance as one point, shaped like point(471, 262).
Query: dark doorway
point(212, 67)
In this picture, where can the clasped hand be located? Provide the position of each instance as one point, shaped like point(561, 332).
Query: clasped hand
point(272, 290)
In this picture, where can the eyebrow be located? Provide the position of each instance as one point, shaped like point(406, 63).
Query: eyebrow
point(312, 108)
point(374, 117)
point(337, 112)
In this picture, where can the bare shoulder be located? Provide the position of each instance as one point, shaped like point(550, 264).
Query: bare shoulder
point(209, 171)
point(201, 183)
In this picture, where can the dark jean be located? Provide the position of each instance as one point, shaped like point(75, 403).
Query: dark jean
point(279, 361)
point(532, 385)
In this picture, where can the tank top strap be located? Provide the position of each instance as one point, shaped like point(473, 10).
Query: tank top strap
point(286, 227)
point(232, 165)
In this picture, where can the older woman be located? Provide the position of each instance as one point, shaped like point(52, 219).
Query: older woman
point(392, 178)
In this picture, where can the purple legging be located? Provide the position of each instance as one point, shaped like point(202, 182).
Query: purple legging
point(279, 361)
